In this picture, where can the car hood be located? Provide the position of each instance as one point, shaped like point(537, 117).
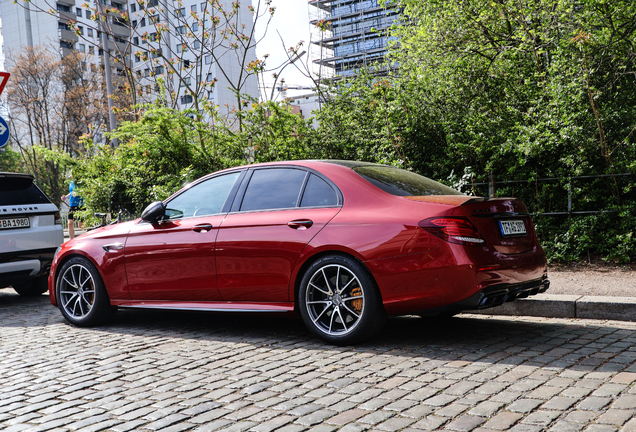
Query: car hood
point(113, 230)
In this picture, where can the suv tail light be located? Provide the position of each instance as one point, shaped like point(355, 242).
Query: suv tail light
point(453, 230)
point(58, 218)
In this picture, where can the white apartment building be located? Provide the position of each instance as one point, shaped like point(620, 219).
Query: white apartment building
point(187, 22)
point(25, 24)
point(306, 104)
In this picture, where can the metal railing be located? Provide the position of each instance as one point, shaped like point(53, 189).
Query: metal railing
point(568, 185)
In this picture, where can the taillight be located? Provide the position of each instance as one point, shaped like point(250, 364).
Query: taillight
point(58, 218)
point(453, 229)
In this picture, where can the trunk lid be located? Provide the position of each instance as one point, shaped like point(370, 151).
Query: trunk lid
point(503, 222)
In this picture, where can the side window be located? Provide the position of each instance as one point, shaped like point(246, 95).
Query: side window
point(205, 198)
point(318, 193)
point(273, 188)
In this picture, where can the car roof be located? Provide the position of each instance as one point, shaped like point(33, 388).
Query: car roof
point(309, 163)
point(17, 175)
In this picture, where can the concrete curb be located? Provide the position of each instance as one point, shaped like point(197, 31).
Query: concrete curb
point(568, 306)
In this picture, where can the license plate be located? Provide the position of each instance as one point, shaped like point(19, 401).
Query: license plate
point(23, 222)
point(512, 227)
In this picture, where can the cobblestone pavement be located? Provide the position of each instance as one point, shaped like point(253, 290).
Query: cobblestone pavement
point(155, 371)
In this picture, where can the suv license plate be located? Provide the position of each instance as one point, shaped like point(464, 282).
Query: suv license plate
point(22, 222)
point(512, 227)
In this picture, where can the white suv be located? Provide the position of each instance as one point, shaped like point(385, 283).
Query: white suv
point(30, 232)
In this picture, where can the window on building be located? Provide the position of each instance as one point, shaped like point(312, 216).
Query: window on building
point(208, 59)
point(143, 22)
point(197, 45)
point(146, 72)
point(82, 47)
point(133, 23)
point(154, 37)
point(210, 77)
point(80, 29)
point(78, 12)
point(195, 27)
point(180, 29)
point(148, 88)
point(136, 40)
point(90, 32)
point(180, 48)
point(203, 7)
point(187, 99)
point(91, 50)
point(180, 12)
point(193, 8)
point(137, 57)
point(159, 70)
point(133, 7)
point(155, 19)
point(184, 82)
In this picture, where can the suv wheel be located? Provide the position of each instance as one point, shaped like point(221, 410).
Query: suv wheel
point(33, 287)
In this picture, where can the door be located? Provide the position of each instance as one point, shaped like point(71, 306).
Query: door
point(281, 210)
point(174, 259)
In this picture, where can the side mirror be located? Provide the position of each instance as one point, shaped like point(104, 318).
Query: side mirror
point(154, 212)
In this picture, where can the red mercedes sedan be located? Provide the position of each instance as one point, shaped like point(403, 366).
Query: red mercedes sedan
point(343, 244)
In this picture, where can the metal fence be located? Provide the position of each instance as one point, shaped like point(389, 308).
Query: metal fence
point(568, 187)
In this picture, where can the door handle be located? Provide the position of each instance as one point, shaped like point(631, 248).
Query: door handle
point(202, 227)
point(300, 224)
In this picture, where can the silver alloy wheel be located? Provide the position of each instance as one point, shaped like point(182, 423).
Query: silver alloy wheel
point(335, 299)
point(77, 291)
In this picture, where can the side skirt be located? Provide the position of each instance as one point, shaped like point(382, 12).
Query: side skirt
point(283, 308)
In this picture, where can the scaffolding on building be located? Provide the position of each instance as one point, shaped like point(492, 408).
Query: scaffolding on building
point(348, 35)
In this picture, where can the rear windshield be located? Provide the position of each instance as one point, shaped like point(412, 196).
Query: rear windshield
point(402, 183)
point(20, 191)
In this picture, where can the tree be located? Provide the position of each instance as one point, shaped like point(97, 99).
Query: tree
point(51, 103)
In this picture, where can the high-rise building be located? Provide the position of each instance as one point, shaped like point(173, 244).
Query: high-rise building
point(28, 24)
point(159, 38)
point(350, 34)
point(194, 34)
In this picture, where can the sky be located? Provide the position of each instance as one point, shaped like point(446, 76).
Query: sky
point(291, 21)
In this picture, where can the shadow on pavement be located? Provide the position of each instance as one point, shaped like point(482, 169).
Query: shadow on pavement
point(494, 339)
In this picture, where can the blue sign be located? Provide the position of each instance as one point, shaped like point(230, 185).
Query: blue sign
point(4, 132)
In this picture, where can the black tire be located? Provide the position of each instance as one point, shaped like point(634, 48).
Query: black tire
point(81, 294)
point(33, 287)
point(342, 314)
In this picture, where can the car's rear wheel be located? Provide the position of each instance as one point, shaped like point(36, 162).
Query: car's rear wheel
point(81, 295)
point(339, 301)
point(33, 287)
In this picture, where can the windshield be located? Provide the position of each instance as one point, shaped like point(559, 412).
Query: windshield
point(401, 182)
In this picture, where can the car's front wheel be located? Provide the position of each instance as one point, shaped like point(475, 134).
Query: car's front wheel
point(81, 295)
point(339, 301)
